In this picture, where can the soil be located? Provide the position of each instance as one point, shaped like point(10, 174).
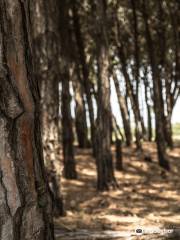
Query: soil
point(148, 198)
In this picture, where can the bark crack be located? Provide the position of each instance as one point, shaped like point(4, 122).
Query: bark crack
point(5, 193)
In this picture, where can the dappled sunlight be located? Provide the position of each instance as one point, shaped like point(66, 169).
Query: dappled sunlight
point(144, 198)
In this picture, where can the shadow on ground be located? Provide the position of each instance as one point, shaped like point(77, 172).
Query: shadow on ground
point(147, 197)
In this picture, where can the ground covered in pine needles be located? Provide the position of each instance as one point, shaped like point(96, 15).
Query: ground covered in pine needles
point(147, 198)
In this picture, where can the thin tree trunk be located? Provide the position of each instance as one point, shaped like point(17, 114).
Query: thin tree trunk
point(160, 139)
point(117, 129)
point(25, 207)
point(136, 47)
point(149, 122)
point(68, 148)
point(80, 112)
point(161, 31)
point(105, 169)
point(124, 111)
point(78, 88)
point(85, 72)
point(119, 163)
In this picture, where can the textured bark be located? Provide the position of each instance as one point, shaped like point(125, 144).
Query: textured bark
point(124, 111)
point(68, 148)
point(105, 169)
point(44, 18)
point(160, 138)
point(25, 206)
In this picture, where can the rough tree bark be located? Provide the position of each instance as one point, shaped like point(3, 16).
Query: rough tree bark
point(105, 168)
point(44, 19)
point(25, 206)
point(68, 148)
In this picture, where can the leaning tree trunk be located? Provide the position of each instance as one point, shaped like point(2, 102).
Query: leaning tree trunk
point(44, 18)
point(78, 88)
point(68, 148)
point(25, 206)
point(104, 157)
point(85, 72)
point(140, 127)
point(123, 110)
point(157, 98)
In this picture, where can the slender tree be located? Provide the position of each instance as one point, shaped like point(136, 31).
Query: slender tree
point(160, 138)
point(123, 110)
point(68, 149)
point(105, 170)
point(147, 92)
point(85, 70)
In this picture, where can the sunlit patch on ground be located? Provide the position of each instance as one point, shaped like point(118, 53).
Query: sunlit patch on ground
point(145, 197)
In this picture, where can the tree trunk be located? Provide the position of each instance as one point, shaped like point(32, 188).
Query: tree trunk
point(25, 207)
point(104, 157)
point(85, 72)
point(44, 18)
point(168, 130)
point(124, 111)
point(80, 118)
point(119, 164)
point(149, 122)
point(160, 138)
point(80, 108)
point(68, 148)
point(162, 54)
point(117, 130)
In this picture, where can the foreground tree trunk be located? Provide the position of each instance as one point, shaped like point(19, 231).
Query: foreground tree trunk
point(105, 169)
point(44, 18)
point(68, 148)
point(25, 206)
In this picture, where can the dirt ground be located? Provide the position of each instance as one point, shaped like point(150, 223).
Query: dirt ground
point(147, 198)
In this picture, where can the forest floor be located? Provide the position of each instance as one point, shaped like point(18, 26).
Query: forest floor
point(147, 198)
